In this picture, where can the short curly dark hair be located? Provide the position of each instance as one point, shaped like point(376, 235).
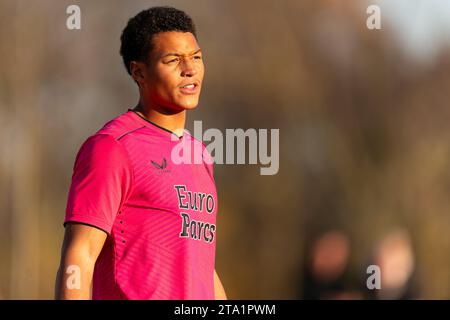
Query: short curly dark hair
point(136, 38)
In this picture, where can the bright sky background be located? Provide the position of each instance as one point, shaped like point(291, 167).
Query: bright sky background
point(422, 25)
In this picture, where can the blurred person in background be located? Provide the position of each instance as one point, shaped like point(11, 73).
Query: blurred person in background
point(326, 273)
point(395, 257)
point(139, 225)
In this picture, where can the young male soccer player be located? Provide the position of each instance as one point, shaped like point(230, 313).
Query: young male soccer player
point(140, 225)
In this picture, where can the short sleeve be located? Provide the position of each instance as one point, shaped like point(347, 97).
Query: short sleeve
point(101, 182)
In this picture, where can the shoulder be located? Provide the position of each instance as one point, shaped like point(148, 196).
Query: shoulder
point(106, 142)
point(120, 126)
point(99, 142)
point(99, 150)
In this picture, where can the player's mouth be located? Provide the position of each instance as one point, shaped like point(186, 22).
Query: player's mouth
point(190, 87)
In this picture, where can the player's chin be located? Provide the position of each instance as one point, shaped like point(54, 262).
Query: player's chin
point(188, 103)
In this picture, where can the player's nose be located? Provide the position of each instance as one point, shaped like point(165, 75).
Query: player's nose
point(188, 69)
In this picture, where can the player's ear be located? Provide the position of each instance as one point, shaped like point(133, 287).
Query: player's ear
point(137, 72)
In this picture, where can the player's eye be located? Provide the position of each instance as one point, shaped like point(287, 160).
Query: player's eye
point(197, 57)
point(173, 60)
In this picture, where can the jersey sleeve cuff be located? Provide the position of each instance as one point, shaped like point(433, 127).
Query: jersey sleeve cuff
point(90, 221)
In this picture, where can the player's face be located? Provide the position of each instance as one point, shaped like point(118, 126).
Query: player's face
point(174, 72)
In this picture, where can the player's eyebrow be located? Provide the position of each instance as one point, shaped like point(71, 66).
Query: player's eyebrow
point(179, 54)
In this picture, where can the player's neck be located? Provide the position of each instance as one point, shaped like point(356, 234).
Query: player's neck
point(169, 120)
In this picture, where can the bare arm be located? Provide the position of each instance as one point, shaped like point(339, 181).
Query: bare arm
point(219, 291)
point(81, 247)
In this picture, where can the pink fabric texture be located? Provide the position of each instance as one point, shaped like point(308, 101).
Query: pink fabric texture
point(160, 214)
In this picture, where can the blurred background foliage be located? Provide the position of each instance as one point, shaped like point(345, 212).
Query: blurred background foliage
point(364, 155)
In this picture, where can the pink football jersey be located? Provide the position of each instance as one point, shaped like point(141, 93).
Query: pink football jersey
point(159, 214)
